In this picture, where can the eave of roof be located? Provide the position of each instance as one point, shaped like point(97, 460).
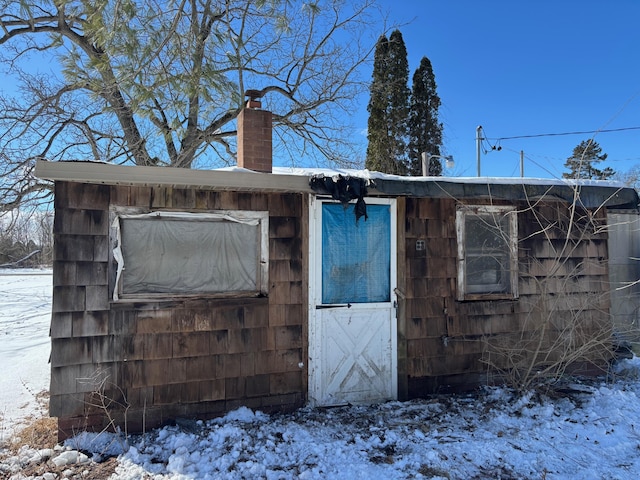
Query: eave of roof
point(591, 194)
point(108, 174)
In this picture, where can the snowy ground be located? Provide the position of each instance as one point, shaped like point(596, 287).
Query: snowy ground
point(25, 315)
point(590, 433)
point(491, 435)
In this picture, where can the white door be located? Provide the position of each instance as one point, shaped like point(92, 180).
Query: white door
point(352, 321)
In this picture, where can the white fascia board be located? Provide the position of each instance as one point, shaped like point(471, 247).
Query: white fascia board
point(108, 174)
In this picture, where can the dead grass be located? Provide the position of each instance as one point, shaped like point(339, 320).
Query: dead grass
point(41, 433)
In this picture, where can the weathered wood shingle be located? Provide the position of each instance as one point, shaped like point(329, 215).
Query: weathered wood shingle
point(189, 356)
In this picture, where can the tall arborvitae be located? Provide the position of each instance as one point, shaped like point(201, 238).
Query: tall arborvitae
point(581, 162)
point(378, 148)
point(389, 107)
point(425, 131)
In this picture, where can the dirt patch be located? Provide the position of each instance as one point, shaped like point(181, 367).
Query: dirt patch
point(88, 471)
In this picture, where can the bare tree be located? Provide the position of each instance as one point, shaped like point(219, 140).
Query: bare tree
point(145, 82)
point(26, 238)
point(631, 177)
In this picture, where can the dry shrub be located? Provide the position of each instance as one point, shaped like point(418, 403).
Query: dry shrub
point(565, 310)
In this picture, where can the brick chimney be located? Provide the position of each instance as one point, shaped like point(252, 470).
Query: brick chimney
point(254, 136)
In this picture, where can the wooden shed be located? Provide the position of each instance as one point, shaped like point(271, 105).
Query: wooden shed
point(186, 294)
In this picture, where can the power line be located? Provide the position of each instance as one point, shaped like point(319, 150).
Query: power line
point(564, 133)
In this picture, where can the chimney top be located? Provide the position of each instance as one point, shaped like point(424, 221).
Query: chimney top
point(254, 98)
point(253, 94)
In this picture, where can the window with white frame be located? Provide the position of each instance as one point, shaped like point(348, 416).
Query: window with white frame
point(487, 252)
point(180, 253)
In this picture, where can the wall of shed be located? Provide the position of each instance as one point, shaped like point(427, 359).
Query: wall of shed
point(161, 360)
point(561, 282)
point(154, 361)
point(624, 273)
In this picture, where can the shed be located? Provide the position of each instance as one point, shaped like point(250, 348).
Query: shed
point(186, 294)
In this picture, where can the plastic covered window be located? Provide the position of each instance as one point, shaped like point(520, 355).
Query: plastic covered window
point(163, 253)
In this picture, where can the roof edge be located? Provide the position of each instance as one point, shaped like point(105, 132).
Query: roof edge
point(591, 195)
point(108, 174)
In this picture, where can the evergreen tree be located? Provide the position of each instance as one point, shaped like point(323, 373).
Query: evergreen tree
point(377, 135)
point(581, 162)
point(389, 107)
point(425, 132)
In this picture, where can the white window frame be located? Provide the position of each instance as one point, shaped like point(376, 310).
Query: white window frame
point(476, 292)
point(260, 219)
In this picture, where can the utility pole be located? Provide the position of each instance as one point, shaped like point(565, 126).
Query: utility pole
point(522, 163)
point(478, 145)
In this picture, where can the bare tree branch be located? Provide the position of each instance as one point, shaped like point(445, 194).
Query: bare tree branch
point(157, 83)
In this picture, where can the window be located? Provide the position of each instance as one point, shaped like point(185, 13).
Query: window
point(216, 253)
point(356, 257)
point(487, 252)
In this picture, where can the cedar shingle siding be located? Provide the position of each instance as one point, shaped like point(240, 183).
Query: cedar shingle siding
point(446, 340)
point(157, 359)
point(177, 357)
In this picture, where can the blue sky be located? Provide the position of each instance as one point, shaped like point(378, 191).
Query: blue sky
point(521, 67)
point(526, 67)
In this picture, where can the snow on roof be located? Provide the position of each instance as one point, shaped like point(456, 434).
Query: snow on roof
point(47, 170)
point(588, 193)
point(592, 193)
point(373, 175)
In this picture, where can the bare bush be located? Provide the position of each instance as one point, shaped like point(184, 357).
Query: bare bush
point(565, 325)
point(104, 398)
